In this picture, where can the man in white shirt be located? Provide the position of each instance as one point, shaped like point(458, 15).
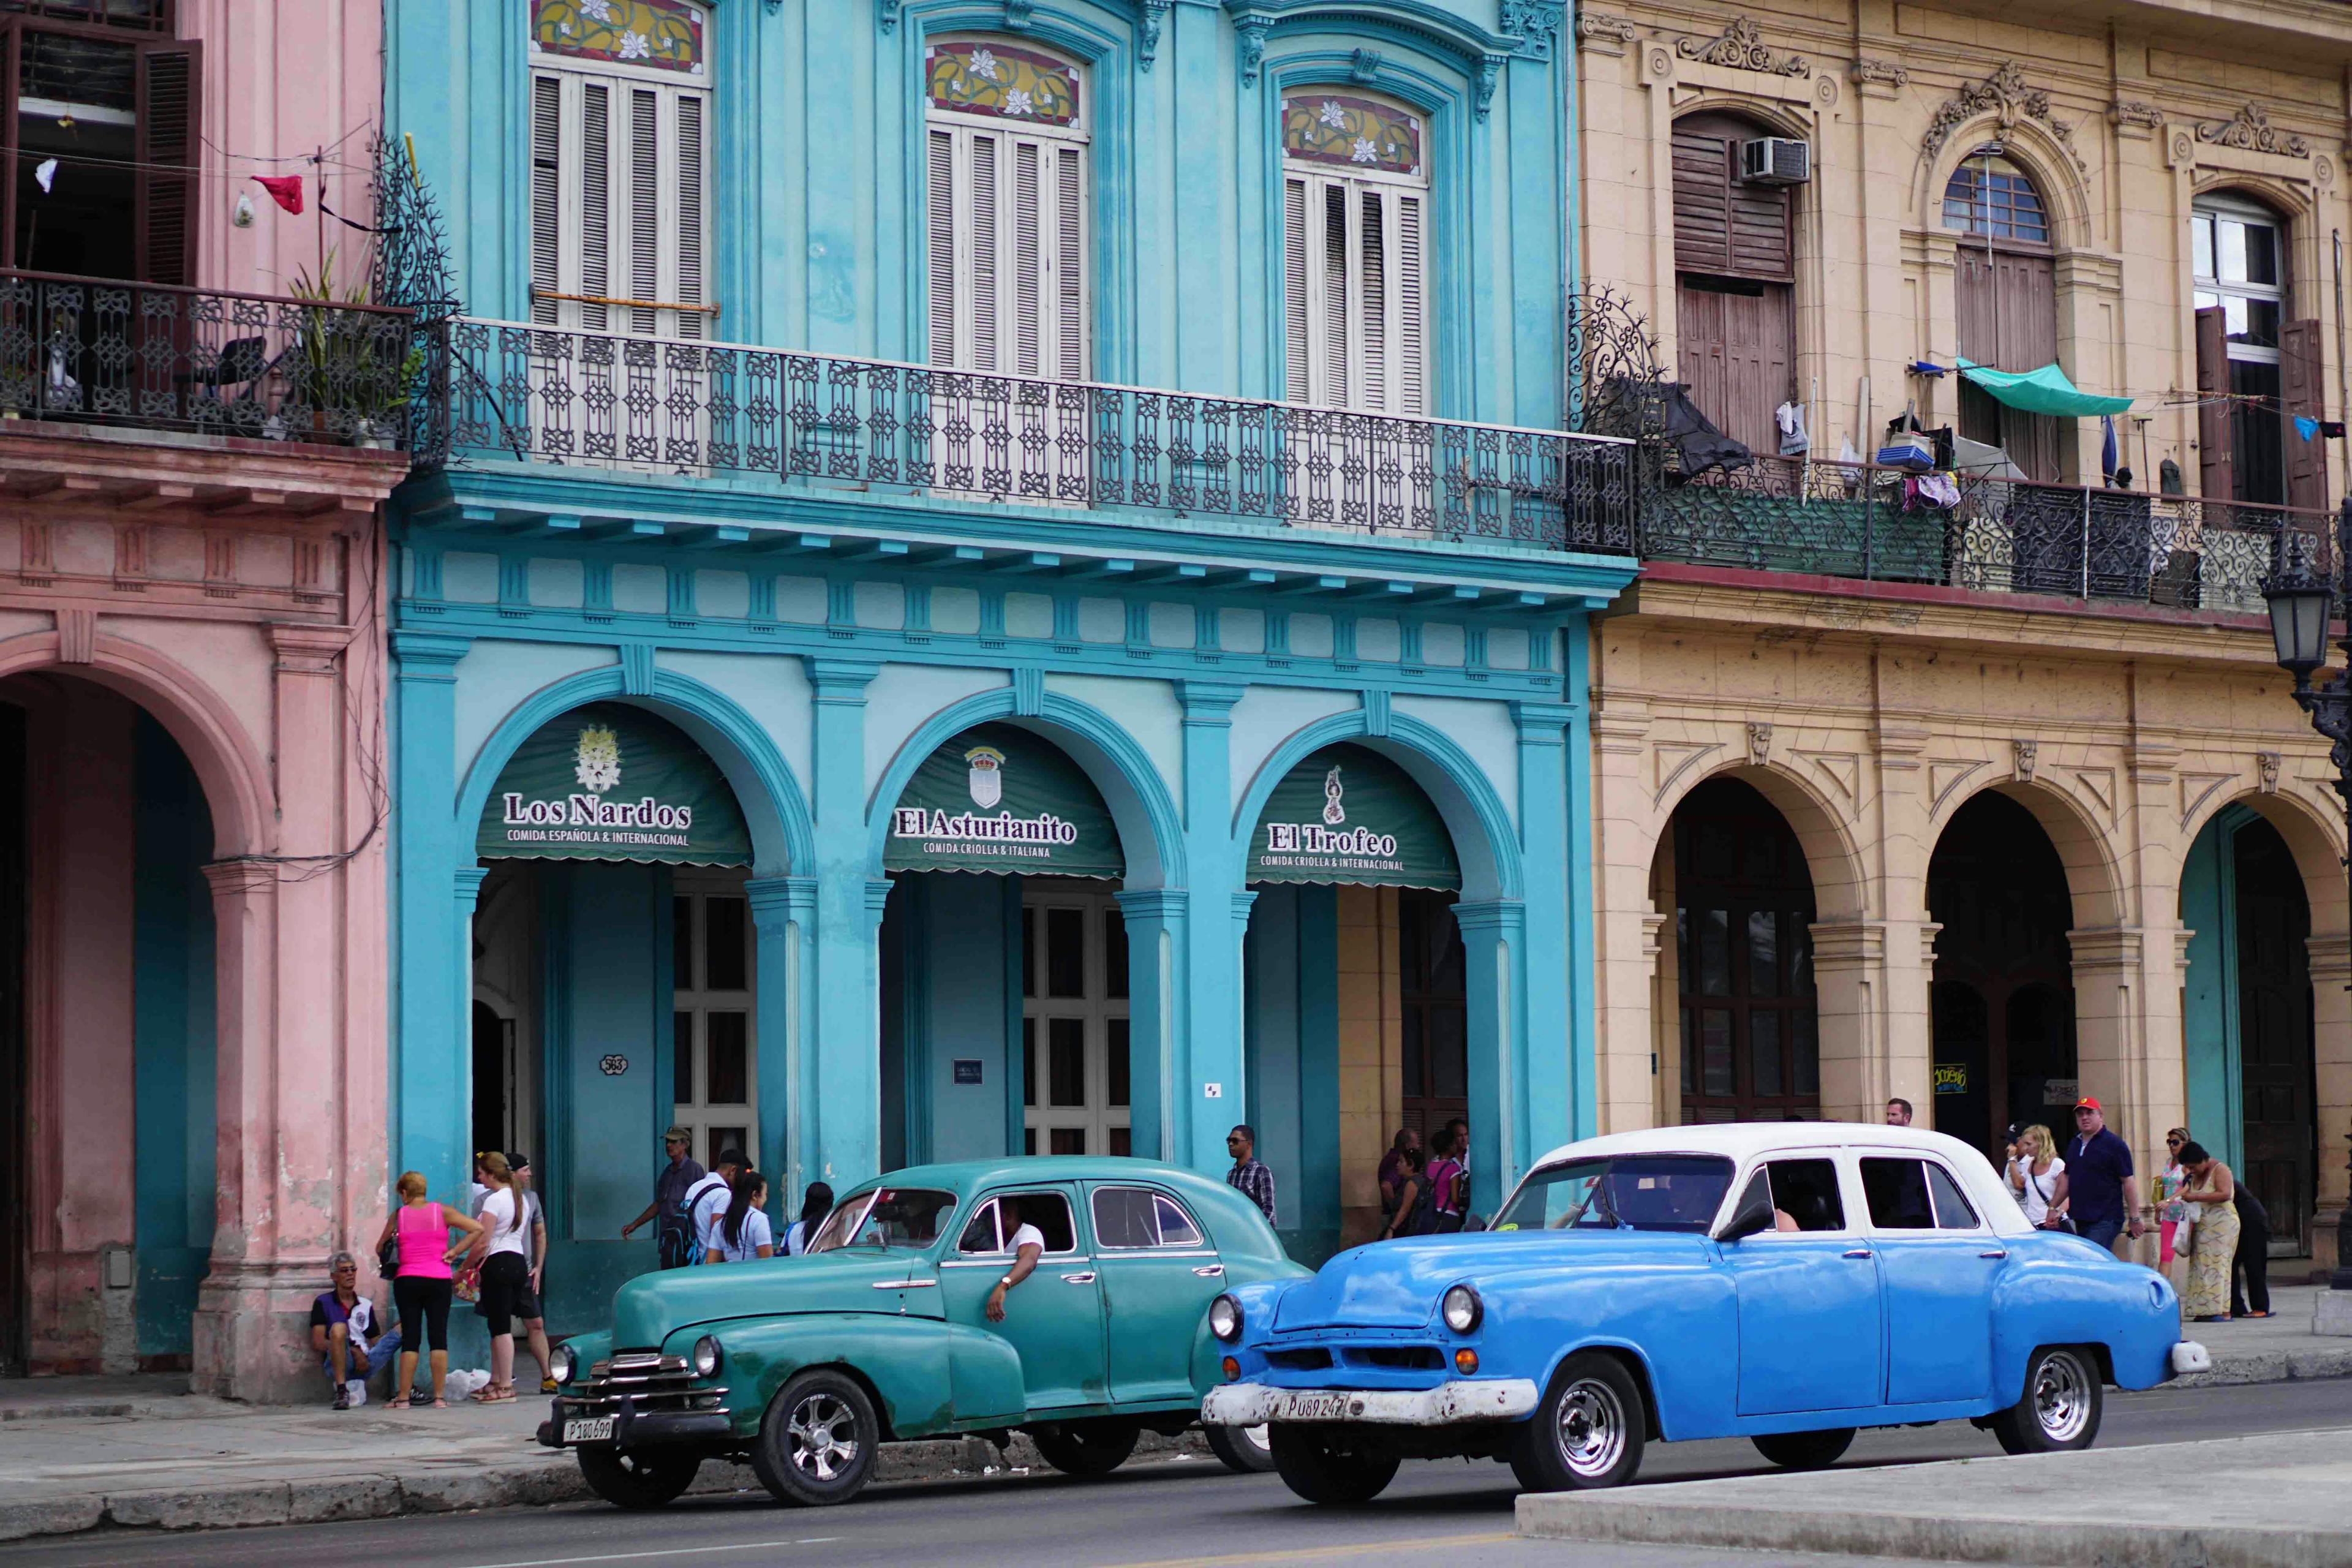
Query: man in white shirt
point(708, 1199)
point(1027, 1243)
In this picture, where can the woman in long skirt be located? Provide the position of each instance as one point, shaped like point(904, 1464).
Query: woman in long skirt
point(2210, 1189)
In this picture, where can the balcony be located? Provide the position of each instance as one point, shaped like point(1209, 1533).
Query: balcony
point(815, 422)
point(2101, 546)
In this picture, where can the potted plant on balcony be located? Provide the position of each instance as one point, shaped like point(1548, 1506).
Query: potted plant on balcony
point(354, 368)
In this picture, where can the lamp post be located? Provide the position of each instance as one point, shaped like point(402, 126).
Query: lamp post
point(2302, 602)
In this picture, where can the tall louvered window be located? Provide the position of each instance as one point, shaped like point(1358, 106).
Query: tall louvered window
point(1007, 222)
point(620, 236)
point(1355, 204)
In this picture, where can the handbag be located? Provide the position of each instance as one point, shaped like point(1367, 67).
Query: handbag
point(2049, 1221)
point(387, 1256)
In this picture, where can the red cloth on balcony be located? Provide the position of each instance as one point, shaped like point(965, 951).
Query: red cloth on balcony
point(286, 190)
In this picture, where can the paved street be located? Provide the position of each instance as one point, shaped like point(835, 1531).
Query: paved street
point(1161, 1514)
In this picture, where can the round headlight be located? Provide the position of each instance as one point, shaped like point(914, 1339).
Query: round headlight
point(705, 1357)
point(1225, 1319)
point(561, 1364)
point(1462, 1309)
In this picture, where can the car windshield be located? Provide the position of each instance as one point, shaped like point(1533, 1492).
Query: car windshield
point(1626, 1191)
point(887, 1216)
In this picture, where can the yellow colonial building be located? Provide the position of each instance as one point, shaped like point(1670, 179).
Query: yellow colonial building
point(1970, 778)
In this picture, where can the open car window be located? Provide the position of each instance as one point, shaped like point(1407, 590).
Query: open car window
point(1897, 1191)
point(1049, 1212)
point(1953, 1210)
point(980, 1235)
point(1622, 1192)
point(1806, 1192)
point(887, 1216)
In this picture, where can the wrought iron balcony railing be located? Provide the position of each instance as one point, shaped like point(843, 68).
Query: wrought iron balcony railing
point(1843, 519)
point(150, 355)
point(605, 400)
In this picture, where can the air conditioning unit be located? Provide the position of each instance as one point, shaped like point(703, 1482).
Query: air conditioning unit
point(1775, 161)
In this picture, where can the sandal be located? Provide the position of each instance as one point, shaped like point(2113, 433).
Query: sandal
point(493, 1393)
point(440, 1404)
point(398, 1402)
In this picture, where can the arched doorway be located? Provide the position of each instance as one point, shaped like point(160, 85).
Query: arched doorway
point(1735, 279)
point(2247, 1017)
point(108, 1033)
point(1356, 1017)
point(2002, 1006)
point(2005, 298)
point(1003, 958)
point(1746, 1022)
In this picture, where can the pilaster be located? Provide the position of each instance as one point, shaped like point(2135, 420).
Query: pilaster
point(1858, 1072)
point(1554, 813)
point(2331, 975)
point(841, 1086)
point(1495, 942)
point(431, 1051)
point(1208, 1022)
point(1157, 1113)
point(783, 910)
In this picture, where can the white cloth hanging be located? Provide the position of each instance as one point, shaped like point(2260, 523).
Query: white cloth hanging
point(1790, 418)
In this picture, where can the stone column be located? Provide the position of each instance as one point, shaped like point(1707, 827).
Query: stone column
point(1561, 1081)
point(431, 1115)
point(1156, 922)
point(782, 911)
point(1208, 1054)
point(2331, 1004)
point(2109, 1056)
point(1514, 1114)
point(842, 1091)
point(1849, 975)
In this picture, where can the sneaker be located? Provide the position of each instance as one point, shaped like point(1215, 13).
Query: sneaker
point(343, 1396)
point(547, 1386)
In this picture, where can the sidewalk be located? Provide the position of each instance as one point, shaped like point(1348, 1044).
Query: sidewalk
point(76, 1453)
point(2272, 1501)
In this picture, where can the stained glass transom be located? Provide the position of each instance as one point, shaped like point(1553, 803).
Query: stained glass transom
point(1352, 132)
point(1000, 80)
point(1994, 196)
point(665, 34)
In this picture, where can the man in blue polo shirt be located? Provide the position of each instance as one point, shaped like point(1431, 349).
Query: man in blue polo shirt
point(2102, 1192)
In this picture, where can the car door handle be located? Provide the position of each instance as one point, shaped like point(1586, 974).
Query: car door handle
point(1859, 1252)
point(1996, 1252)
point(906, 1284)
point(1211, 1271)
point(1085, 1279)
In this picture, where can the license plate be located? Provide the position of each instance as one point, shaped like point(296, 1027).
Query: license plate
point(589, 1429)
point(1310, 1407)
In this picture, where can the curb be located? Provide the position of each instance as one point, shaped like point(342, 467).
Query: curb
point(2272, 1366)
point(536, 1483)
point(2111, 1543)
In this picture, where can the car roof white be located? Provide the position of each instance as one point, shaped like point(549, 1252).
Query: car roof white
point(1744, 1140)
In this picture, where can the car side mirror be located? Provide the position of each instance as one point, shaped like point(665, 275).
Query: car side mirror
point(1753, 1215)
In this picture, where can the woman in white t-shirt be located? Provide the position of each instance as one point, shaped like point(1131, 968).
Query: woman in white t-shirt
point(2038, 1176)
point(744, 1234)
point(503, 1252)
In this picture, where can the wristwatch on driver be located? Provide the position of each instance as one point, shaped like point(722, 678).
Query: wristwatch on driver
point(1005, 1283)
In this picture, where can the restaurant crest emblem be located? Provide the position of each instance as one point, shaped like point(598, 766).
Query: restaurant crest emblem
point(597, 763)
point(987, 764)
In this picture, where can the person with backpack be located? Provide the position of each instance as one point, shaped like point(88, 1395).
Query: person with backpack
point(1446, 1179)
point(743, 1231)
point(672, 1242)
point(706, 1203)
point(1416, 1212)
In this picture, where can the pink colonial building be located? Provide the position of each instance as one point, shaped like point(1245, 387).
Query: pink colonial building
point(192, 741)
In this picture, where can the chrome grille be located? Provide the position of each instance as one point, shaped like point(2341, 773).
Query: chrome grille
point(649, 1380)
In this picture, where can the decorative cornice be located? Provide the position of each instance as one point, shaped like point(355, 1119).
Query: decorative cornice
point(1741, 47)
point(1536, 23)
point(2005, 95)
point(2251, 131)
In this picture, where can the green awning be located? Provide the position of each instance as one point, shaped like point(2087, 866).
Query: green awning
point(2044, 391)
point(999, 799)
point(1350, 814)
point(609, 781)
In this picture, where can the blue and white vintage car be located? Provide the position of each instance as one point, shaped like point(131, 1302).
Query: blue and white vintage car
point(1785, 1282)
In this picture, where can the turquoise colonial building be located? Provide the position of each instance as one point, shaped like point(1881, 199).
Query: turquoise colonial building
point(840, 708)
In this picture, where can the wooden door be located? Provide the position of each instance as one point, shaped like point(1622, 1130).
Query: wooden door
point(2216, 452)
point(2006, 302)
point(1735, 269)
point(2274, 1034)
point(2301, 397)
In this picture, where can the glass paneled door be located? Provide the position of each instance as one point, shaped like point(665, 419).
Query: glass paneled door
point(1073, 1022)
point(715, 1057)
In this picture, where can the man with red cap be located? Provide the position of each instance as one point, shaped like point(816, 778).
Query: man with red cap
point(2102, 1192)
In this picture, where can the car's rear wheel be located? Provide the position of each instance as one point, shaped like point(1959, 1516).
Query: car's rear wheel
point(1587, 1430)
point(1330, 1463)
point(818, 1441)
point(1087, 1448)
point(637, 1480)
point(1806, 1450)
point(1245, 1450)
point(2061, 1410)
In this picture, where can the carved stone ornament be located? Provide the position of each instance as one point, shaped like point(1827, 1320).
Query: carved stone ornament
point(2027, 750)
point(2252, 132)
point(1154, 12)
point(1249, 39)
point(1535, 22)
point(1741, 47)
point(2005, 96)
point(1490, 71)
point(1759, 741)
point(1604, 34)
point(2135, 115)
point(1879, 73)
point(2266, 764)
point(1364, 67)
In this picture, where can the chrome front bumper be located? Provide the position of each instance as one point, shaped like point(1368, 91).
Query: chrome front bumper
point(1448, 1405)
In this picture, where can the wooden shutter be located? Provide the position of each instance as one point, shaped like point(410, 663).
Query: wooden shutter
point(546, 187)
point(1761, 240)
point(941, 238)
point(1723, 224)
point(1337, 361)
point(2217, 469)
point(595, 178)
point(645, 205)
point(1373, 299)
point(1006, 228)
point(1028, 255)
point(1069, 264)
point(981, 224)
point(164, 214)
point(2301, 396)
point(1297, 382)
point(1412, 344)
point(689, 214)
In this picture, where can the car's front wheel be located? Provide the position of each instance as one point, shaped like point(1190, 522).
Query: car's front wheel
point(1805, 1450)
point(637, 1480)
point(2061, 1410)
point(1245, 1450)
point(1086, 1448)
point(1587, 1430)
point(818, 1441)
point(1331, 1464)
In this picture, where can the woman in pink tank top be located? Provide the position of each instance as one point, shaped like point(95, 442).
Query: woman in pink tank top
point(423, 1281)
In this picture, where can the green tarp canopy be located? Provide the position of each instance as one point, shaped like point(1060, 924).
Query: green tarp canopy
point(1350, 814)
point(609, 781)
point(2044, 391)
point(998, 799)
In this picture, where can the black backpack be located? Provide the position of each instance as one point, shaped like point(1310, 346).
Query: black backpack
point(1423, 1218)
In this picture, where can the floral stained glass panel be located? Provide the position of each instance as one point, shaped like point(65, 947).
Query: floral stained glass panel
point(996, 80)
point(1352, 132)
point(666, 34)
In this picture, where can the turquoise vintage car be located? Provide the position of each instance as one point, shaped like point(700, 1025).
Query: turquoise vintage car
point(806, 1365)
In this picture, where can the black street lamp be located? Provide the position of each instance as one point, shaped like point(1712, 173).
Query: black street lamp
point(2302, 602)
